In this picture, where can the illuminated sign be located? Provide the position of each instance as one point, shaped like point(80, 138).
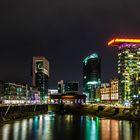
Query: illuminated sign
point(39, 66)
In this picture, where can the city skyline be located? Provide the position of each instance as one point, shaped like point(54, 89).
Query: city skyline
point(70, 69)
point(64, 36)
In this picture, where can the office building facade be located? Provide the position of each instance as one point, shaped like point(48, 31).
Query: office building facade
point(128, 64)
point(114, 90)
point(91, 75)
point(135, 88)
point(105, 93)
point(40, 75)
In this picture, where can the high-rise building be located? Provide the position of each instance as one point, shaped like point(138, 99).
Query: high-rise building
point(91, 75)
point(40, 75)
point(128, 64)
point(135, 88)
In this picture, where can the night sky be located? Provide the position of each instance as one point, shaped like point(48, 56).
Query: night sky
point(65, 32)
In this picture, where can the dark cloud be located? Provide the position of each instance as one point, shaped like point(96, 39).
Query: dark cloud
point(65, 31)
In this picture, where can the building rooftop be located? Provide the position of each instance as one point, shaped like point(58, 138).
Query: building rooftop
point(120, 41)
point(94, 55)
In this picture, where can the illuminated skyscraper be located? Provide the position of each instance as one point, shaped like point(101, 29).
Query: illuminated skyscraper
point(40, 71)
point(128, 64)
point(135, 89)
point(91, 75)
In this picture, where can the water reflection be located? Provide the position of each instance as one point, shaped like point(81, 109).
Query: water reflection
point(5, 132)
point(23, 129)
point(70, 127)
point(109, 129)
point(16, 128)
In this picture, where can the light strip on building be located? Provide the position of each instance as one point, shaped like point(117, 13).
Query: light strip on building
point(92, 83)
point(116, 41)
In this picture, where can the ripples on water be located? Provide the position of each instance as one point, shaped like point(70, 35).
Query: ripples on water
point(69, 127)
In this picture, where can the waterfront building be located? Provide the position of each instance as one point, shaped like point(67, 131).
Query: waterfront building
point(52, 91)
point(105, 93)
point(114, 90)
point(40, 75)
point(98, 95)
point(33, 94)
point(91, 75)
point(68, 98)
point(135, 88)
point(1, 90)
point(128, 64)
point(68, 86)
point(71, 86)
point(13, 91)
point(60, 86)
point(109, 92)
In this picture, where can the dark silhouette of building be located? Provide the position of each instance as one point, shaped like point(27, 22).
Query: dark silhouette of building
point(91, 75)
point(68, 86)
point(60, 86)
point(71, 86)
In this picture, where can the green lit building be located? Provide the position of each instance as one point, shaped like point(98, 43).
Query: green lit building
point(40, 75)
point(91, 75)
point(128, 65)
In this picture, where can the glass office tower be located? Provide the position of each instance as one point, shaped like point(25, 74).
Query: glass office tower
point(40, 71)
point(91, 75)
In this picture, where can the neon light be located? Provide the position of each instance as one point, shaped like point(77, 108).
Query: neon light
point(111, 42)
point(117, 41)
point(92, 83)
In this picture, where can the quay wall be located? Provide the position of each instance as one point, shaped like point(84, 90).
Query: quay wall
point(12, 112)
point(113, 112)
point(16, 112)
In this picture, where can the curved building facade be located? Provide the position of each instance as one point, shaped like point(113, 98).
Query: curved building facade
point(91, 75)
